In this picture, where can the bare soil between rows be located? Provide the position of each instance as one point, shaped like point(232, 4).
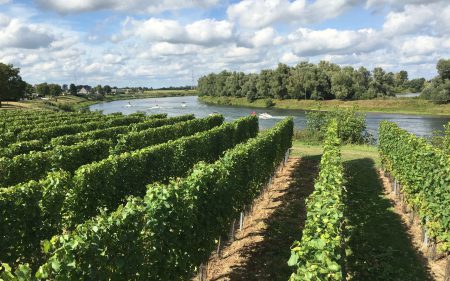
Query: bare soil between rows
point(261, 250)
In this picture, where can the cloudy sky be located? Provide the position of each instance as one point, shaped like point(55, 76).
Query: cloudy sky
point(167, 42)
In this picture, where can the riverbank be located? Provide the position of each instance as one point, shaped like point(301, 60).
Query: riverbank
point(75, 103)
point(392, 105)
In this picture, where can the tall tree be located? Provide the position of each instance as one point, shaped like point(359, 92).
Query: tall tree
point(278, 82)
point(12, 87)
point(73, 89)
point(99, 89)
point(401, 78)
point(263, 83)
point(43, 89)
point(443, 68)
point(342, 83)
point(249, 87)
point(54, 90)
point(107, 89)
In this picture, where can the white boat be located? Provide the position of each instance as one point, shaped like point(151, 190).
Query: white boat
point(156, 107)
point(265, 115)
point(128, 105)
point(183, 105)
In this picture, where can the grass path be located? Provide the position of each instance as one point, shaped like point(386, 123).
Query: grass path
point(380, 246)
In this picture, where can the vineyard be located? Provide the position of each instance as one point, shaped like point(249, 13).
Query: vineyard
point(87, 196)
point(95, 197)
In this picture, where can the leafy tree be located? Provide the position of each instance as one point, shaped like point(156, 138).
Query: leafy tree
point(439, 89)
point(73, 89)
point(263, 83)
point(43, 89)
point(232, 87)
point(54, 90)
point(99, 89)
point(362, 79)
point(416, 85)
point(29, 90)
point(342, 84)
point(12, 87)
point(107, 89)
point(278, 81)
point(300, 83)
point(401, 79)
point(249, 87)
point(382, 83)
point(219, 85)
point(443, 68)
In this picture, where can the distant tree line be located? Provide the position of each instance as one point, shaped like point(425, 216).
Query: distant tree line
point(438, 90)
point(322, 81)
point(175, 88)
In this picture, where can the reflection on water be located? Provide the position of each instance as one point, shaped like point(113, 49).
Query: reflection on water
point(174, 106)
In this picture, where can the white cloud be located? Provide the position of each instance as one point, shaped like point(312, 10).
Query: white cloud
point(262, 13)
point(3, 2)
point(414, 19)
point(140, 6)
point(263, 37)
point(203, 32)
point(18, 34)
point(4, 20)
point(397, 3)
point(290, 58)
point(165, 49)
point(307, 42)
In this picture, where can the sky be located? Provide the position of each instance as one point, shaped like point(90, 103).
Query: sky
point(157, 43)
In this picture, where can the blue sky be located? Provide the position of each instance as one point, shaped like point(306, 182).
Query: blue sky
point(165, 42)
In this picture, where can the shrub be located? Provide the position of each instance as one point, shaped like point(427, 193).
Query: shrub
point(351, 125)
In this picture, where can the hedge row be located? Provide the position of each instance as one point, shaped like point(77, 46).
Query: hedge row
point(108, 134)
point(320, 253)
point(424, 173)
point(28, 214)
point(12, 124)
point(132, 171)
point(17, 127)
point(173, 229)
point(140, 139)
point(107, 183)
point(46, 134)
point(113, 133)
point(35, 165)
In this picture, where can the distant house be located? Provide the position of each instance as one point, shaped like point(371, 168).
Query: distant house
point(83, 91)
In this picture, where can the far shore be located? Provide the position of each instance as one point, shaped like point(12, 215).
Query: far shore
point(414, 106)
point(74, 103)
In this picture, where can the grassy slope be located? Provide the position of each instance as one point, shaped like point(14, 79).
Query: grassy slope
point(380, 247)
point(80, 102)
point(392, 105)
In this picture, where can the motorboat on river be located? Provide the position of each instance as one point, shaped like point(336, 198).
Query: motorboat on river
point(265, 115)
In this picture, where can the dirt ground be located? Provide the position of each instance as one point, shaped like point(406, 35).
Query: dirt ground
point(261, 250)
point(437, 267)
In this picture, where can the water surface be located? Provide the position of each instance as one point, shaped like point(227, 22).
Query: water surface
point(421, 125)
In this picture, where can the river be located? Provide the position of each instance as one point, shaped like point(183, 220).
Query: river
point(421, 125)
